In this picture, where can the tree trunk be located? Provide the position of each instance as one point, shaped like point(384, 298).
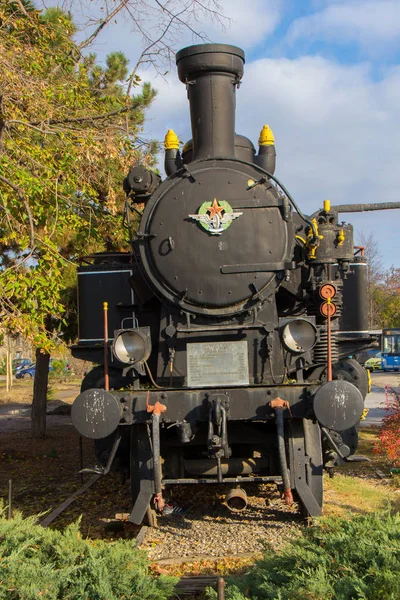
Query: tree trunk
point(10, 372)
point(39, 402)
point(8, 358)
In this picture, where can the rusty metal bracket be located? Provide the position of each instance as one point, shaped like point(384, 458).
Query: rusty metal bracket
point(157, 409)
point(279, 405)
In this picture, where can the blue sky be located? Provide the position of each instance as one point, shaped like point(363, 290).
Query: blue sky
point(324, 74)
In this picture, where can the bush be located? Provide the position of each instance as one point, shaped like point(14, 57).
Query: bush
point(3, 366)
point(38, 563)
point(389, 435)
point(337, 559)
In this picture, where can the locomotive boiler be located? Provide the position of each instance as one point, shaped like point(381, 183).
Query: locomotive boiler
point(231, 319)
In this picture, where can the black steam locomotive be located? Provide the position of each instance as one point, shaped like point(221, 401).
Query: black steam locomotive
point(231, 320)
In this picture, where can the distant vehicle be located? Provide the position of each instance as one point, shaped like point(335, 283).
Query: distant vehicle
point(29, 371)
point(20, 363)
point(391, 349)
point(26, 372)
point(365, 355)
point(374, 363)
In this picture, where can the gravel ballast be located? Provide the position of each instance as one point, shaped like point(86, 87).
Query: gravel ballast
point(208, 528)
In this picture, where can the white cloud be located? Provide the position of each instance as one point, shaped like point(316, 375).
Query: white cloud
point(335, 130)
point(374, 24)
point(249, 22)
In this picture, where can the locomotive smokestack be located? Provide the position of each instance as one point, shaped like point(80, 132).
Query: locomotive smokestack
point(211, 73)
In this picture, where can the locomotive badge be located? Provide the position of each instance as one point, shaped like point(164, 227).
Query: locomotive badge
point(219, 218)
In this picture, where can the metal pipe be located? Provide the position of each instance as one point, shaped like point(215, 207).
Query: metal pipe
point(106, 377)
point(236, 499)
point(156, 453)
point(224, 435)
point(242, 466)
point(280, 429)
point(268, 478)
point(329, 343)
point(348, 208)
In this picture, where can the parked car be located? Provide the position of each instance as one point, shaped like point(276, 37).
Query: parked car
point(26, 372)
point(363, 356)
point(21, 363)
point(29, 372)
point(375, 363)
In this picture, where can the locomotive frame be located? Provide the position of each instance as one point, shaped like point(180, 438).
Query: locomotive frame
point(234, 317)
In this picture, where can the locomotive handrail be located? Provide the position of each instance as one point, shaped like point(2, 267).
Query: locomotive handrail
point(349, 208)
point(353, 208)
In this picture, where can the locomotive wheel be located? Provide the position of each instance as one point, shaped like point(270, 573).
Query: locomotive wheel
point(95, 379)
point(350, 370)
point(347, 369)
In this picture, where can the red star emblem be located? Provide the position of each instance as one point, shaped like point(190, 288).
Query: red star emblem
point(215, 209)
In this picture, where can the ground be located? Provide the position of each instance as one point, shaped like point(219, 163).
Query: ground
point(43, 473)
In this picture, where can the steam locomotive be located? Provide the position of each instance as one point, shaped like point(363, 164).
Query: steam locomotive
point(232, 319)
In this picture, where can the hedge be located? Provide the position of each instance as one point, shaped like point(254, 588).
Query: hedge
point(338, 559)
point(45, 564)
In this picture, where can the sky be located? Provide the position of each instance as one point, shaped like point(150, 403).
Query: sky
point(323, 74)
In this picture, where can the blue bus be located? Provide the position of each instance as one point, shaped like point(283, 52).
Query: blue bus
point(391, 349)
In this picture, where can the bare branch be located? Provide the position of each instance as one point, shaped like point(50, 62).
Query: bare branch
point(146, 51)
point(20, 6)
point(179, 20)
point(2, 124)
point(133, 106)
point(18, 263)
point(27, 207)
point(103, 23)
point(39, 129)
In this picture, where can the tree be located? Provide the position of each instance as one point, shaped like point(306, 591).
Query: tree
point(374, 276)
point(67, 134)
point(69, 130)
point(387, 297)
point(383, 287)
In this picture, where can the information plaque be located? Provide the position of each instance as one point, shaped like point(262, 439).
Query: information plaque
point(217, 364)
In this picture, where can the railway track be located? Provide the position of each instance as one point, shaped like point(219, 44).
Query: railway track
point(187, 586)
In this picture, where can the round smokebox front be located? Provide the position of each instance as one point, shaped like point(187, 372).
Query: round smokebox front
point(211, 242)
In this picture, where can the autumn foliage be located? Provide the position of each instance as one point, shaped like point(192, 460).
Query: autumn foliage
point(68, 133)
point(389, 435)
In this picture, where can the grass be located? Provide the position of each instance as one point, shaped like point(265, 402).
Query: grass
point(356, 489)
point(346, 495)
point(22, 390)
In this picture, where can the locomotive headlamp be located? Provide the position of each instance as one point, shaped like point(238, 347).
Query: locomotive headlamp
point(132, 346)
point(299, 336)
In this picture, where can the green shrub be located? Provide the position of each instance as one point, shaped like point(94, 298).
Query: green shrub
point(44, 564)
point(3, 366)
point(337, 559)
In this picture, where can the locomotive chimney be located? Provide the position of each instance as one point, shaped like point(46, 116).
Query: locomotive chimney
point(211, 73)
